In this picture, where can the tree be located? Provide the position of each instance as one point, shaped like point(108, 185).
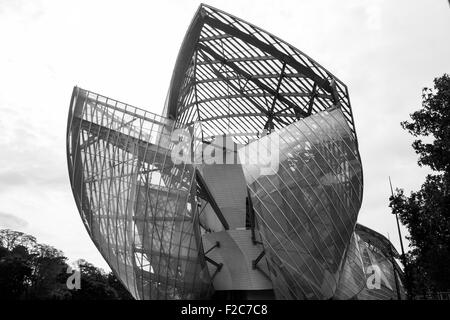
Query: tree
point(433, 120)
point(15, 272)
point(94, 284)
point(49, 273)
point(30, 270)
point(426, 213)
point(10, 239)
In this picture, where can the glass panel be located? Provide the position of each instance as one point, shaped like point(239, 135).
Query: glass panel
point(133, 199)
point(307, 206)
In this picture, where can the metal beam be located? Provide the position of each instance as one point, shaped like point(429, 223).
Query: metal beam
point(311, 101)
point(322, 83)
point(211, 199)
point(244, 95)
point(269, 124)
point(239, 115)
point(235, 96)
point(146, 151)
point(256, 76)
point(241, 59)
point(249, 77)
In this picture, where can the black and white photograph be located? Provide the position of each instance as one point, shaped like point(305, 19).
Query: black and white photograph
point(226, 154)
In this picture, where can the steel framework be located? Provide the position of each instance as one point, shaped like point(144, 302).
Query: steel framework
point(174, 229)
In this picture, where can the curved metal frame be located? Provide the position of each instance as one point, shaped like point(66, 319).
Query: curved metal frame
point(158, 222)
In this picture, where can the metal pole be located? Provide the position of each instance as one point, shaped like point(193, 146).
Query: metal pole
point(401, 245)
point(398, 224)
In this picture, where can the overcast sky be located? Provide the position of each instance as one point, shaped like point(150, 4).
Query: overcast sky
point(385, 51)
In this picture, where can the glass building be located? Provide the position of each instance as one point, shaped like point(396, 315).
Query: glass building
point(248, 186)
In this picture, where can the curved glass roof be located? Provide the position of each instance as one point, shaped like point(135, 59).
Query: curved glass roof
point(237, 78)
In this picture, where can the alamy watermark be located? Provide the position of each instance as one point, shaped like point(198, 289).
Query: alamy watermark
point(74, 280)
point(262, 153)
point(376, 276)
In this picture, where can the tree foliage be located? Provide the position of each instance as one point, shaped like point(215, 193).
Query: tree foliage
point(433, 120)
point(30, 270)
point(426, 212)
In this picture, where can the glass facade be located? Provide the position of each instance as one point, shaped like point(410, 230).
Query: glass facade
point(134, 201)
point(378, 257)
point(370, 271)
point(307, 209)
point(279, 220)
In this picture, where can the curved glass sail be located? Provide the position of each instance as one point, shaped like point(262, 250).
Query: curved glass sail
point(279, 222)
point(236, 78)
point(384, 276)
point(307, 207)
point(353, 279)
point(134, 201)
point(370, 271)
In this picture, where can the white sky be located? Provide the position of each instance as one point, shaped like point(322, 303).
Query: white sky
point(385, 51)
